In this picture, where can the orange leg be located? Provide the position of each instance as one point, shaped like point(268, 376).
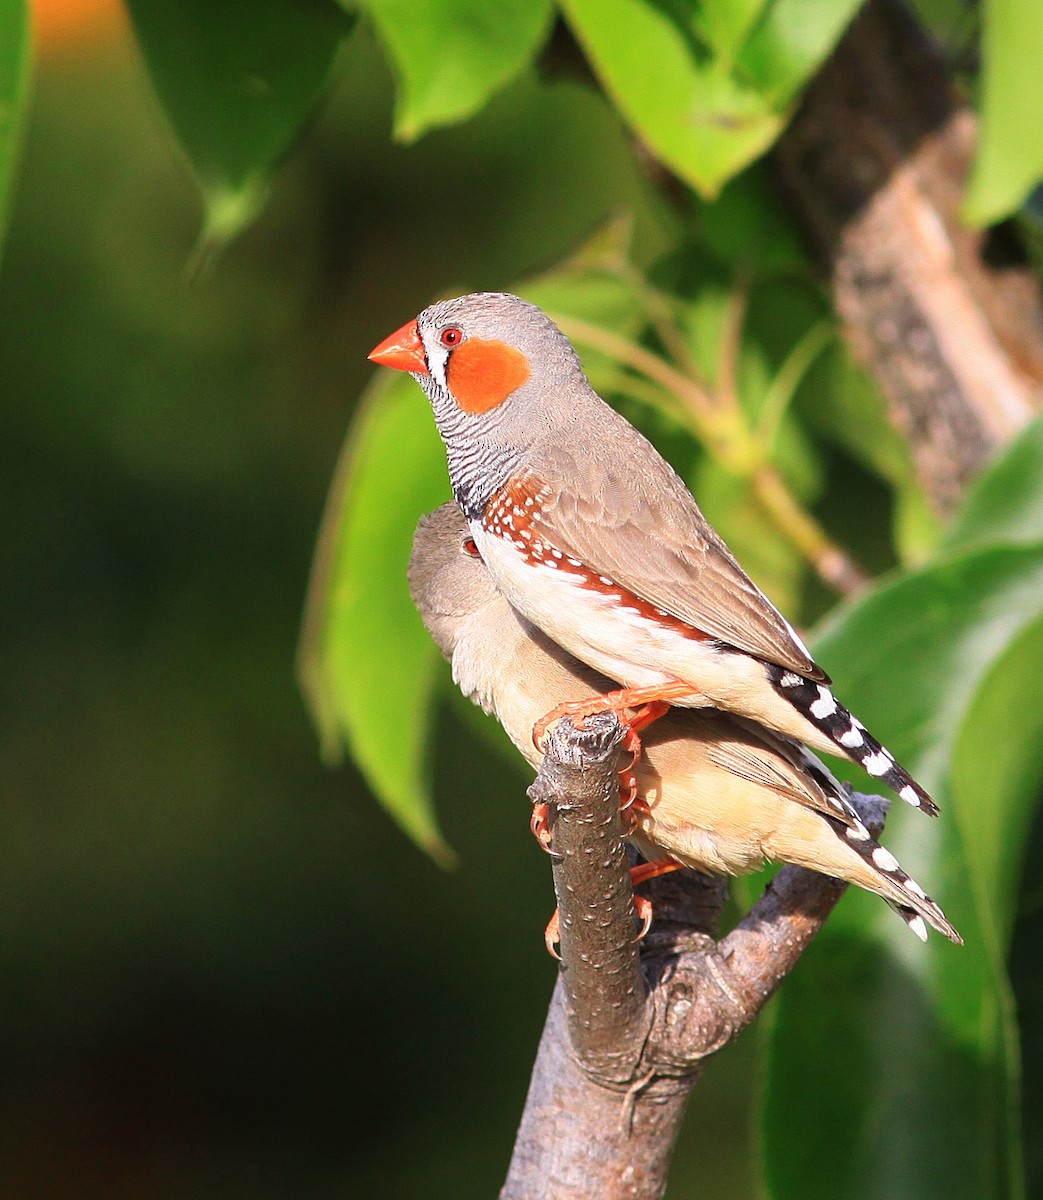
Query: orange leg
point(643, 907)
point(616, 702)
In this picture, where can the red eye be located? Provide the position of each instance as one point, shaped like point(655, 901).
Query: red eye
point(470, 548)
point(451, 337)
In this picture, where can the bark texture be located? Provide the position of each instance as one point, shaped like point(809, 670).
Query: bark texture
point(876, 163)
point(628, 1033)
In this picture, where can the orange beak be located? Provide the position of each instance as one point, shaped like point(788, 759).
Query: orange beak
point(403, 350)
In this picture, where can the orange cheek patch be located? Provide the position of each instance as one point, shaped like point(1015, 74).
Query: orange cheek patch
point(482, 374)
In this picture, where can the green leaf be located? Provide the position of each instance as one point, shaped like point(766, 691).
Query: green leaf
point(1010, 149)
point(237, 80)
point(451, 55)
point(708, 87)
point(792, 42)
point(14, 90)
point(909, 1073)
point(724, 24)
point(366, 661)
point(904, 1056)
point(1007, 502)
point(698, 118)
point(996, 792)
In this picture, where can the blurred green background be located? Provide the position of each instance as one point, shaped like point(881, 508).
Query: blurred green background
point(225, 972)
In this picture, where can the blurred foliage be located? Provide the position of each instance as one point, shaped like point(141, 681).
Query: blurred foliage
point(237, 80)
point(224, 978)
point(14, 85)
point(1010, 152)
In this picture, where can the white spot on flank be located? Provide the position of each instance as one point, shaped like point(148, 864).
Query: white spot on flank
point(885, 860)
point(556, 553)
point(605, 579)
point(916, 889)
point(825, 705)
point(574, 562)
point(877, 764)
point(791, 680)
point(916, 924)
point(858, 832)
point(852, 738)
point(908, 794)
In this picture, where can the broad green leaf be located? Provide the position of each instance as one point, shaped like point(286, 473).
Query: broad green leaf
point(367, 663)
point(237, 80)
point(14, 89)
point(451, 55)
point(1007, 503)
point(908, 1074)
point(996, 792)
point(902, 1054)
point(698, 118)
point(708, 89)
point(792, 42)
point(724, 24)
point(1009, 162)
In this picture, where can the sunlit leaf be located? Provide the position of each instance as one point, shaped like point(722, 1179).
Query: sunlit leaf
point(1010, 148)
point(367, 663)
point(792, 42)
point(697, 117)
point(907, 1056)
point(14, 87)
point(708, 89)
point(451, 55)
point(724, 24)
point(237, 80)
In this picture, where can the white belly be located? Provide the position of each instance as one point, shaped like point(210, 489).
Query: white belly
point(615, 639)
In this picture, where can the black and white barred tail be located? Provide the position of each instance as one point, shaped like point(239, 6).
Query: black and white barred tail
point(902, 892)
point(817, 704)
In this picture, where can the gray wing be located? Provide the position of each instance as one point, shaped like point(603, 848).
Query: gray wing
point(634, 521)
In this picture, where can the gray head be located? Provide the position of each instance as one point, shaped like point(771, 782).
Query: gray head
point(500, 376)
point(447, 579)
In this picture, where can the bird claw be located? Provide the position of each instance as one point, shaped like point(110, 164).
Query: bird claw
point(648, 704)
point(539, 825)
point(642, 906)
point(552, 935)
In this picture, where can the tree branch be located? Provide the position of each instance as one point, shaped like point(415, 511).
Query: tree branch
point(876, 161)
point(627, 1035)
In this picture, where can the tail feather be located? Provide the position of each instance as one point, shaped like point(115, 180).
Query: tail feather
point(900, 890)
point(817, 704)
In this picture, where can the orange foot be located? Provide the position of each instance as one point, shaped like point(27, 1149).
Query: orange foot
point(655, 698)
point(643, 907)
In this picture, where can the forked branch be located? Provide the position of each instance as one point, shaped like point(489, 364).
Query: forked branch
point(628, 1032)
